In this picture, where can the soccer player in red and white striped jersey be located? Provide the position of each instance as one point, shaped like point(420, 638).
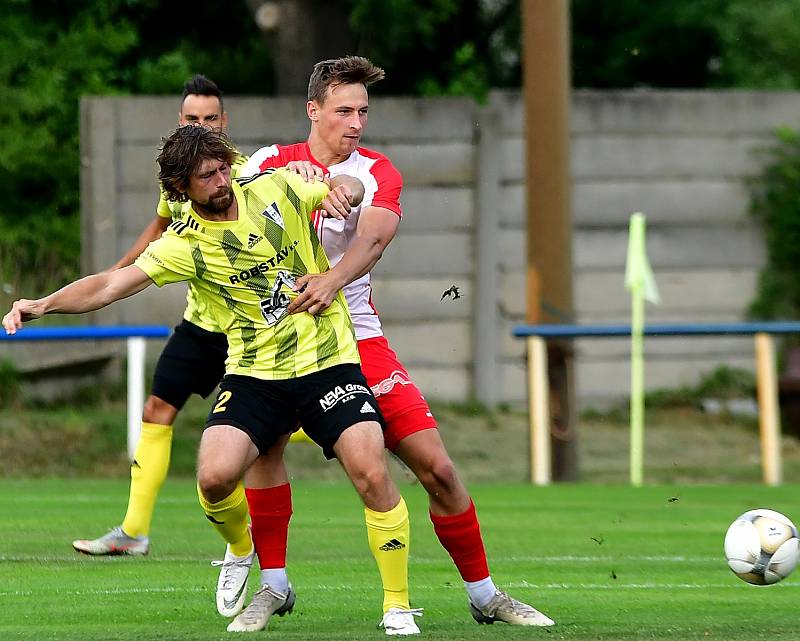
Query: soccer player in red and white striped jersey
point(338, 110)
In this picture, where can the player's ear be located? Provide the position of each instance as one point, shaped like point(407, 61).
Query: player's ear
point(224, 121)
point(312, 109)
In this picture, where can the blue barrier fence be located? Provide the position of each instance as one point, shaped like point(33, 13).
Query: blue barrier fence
point(766, 379)
point(134, 335)
point(87, 333)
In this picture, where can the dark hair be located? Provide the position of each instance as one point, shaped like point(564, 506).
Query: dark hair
point(341, 71)
point(199, 85)
point(182, 152)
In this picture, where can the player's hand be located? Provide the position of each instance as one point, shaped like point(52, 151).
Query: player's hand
point(338, 203)
point(308, 171)
point(21, 311)
point(317, 292)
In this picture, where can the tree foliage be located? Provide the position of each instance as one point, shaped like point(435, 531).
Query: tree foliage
point(52, 53)
point(774, 201)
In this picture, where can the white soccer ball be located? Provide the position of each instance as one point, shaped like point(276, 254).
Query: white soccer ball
point(762, 547)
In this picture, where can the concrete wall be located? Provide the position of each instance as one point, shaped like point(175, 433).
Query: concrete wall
point(680, 157)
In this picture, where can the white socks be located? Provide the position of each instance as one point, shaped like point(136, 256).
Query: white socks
point(276, 578)
point(481, 592)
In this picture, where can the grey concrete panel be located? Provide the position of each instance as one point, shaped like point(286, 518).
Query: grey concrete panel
point(451, 163)
point(681, 247)
point(511, 207)
point(599, 294)
point(689, 290)
point(436, 344)
point(437, 208)
point(136, 210)
point(154, 306)
point(420, 299)
point(420, 119)
point(99, 184)
point(602, 203)
point(138, 170)
point(648, 156)
point(434, 254)
point(255, 122)
point(702, 112)
point(606, 203)
point(442, 383)
point(664, 157)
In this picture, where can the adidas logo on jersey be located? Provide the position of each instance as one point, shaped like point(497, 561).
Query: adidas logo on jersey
point(252, 240)
point(366, 408)
point(392, 544)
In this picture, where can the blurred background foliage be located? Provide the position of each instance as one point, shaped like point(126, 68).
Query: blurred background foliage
point(52, 53)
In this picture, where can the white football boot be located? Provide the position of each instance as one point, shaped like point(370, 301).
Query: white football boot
point(265, 603)
point(503, 608)
point(232, 583)
point(400, 622)
point(114, 543)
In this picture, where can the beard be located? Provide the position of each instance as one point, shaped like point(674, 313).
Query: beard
point(219, 201)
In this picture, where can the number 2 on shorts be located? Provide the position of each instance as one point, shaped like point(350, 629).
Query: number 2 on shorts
point(222, 399)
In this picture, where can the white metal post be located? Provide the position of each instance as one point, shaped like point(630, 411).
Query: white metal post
point(136, 354)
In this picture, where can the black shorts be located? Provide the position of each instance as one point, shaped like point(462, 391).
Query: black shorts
point(325, 402)
point(193, 362)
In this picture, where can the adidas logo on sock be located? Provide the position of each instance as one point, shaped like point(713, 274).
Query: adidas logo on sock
point(392, 544)
point(366, 408)
point(252, 240)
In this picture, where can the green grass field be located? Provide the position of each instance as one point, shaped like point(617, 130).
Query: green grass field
point(606, 562)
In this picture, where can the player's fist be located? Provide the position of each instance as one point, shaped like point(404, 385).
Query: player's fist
point(22, 311)
point(337, 203)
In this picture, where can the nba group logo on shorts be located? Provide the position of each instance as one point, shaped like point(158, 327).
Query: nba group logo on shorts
point(387, 384)
point(341, 394)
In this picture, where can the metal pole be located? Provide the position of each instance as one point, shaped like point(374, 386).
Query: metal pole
point(136, 354)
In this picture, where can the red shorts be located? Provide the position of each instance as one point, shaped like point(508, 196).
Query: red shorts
point(404, 408)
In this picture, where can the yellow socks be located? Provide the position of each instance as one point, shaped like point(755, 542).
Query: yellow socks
point(229, 518)
point(148, 471)
point(388, 535)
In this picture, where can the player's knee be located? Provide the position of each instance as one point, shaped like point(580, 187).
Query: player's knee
point(158, 411)
point(370, 480)
point(215, 485)
point(439, 475)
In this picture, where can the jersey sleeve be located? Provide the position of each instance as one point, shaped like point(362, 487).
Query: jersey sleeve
point(162, 209)
point(167, 260)
point(264, 158)
point(389, 185)
point(311, 193)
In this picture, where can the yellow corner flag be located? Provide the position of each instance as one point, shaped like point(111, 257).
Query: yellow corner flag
point(640, 282)
point(638, 274)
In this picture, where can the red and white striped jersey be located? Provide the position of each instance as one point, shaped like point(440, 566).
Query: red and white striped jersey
point(382, 187)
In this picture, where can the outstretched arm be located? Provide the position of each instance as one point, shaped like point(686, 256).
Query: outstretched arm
point(376, 228)
point(84, 295)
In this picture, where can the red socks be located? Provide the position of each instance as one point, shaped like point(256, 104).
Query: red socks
point(460, 535)
point(270, 512)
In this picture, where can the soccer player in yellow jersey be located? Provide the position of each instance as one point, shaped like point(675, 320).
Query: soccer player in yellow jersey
point(192, 361)
point(247, 245)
